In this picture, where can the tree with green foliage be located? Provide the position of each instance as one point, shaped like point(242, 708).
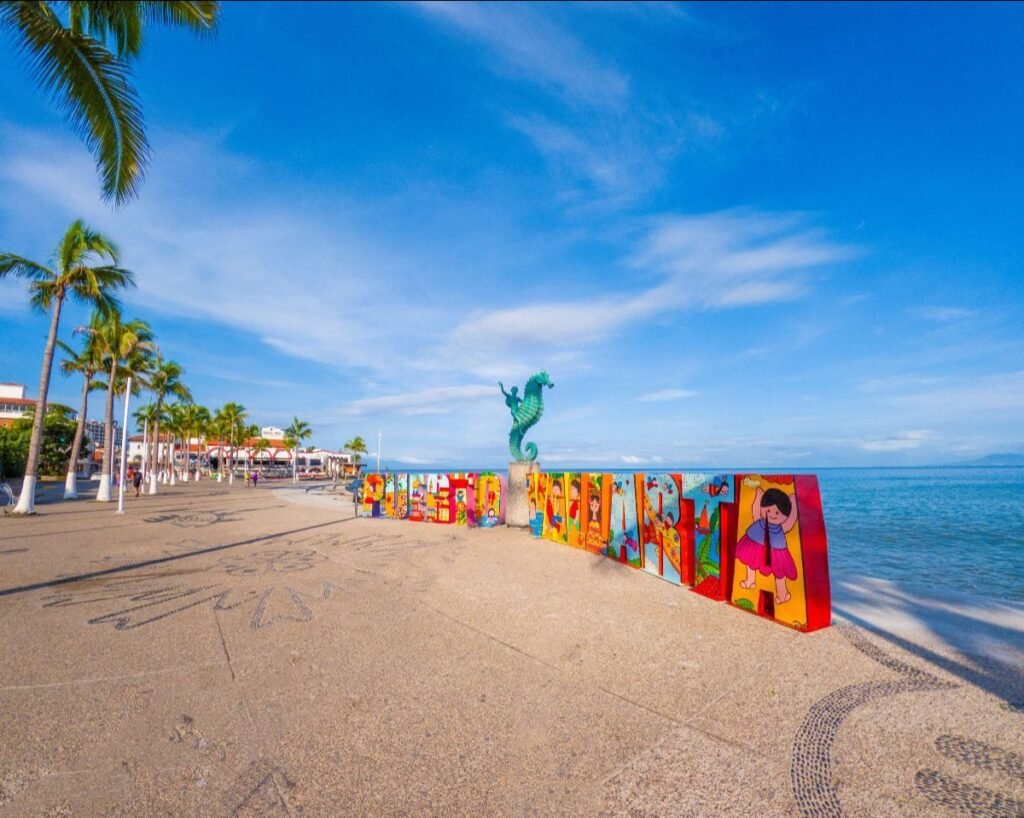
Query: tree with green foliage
point(87, 362)
point(59, 437)
point(85, 59)
point(127, 349)
point(295, 434)
point(164, 381)
point(78, 272)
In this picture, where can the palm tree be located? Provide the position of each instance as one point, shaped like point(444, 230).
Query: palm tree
point(72, 275)
point(297, 432)
point(127, 348)
point(261, 445)
point(193, 419)
point(145, 419)
point(357, 446)
point(164, 381)
point(89, 81)
point(87, 363)
point(230, 418)
point(176, 427)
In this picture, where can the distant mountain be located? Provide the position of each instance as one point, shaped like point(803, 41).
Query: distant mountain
point(1005, 459)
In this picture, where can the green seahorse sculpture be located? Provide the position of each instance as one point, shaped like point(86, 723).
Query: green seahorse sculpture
point(526, 411)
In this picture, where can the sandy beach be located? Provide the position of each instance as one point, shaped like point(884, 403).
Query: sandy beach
point(227, 651)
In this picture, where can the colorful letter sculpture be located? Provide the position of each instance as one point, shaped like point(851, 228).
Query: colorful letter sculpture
point(389, 496)
point(704, 492)
point(596, 519)
point(755, 540)
point(624, 545)
point(554, 509)
point(537, 496)
point(781, 568)
point(401, 496)
point(489, 498)
point(417, 498)
point(373, 494)
point(666, 534)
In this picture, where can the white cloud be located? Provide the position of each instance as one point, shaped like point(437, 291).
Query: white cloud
point(633, 460)
point(529, 45)
point(439, 400)
point(898, 442)
point(720, 260)
point(666, 395)
point(944, 315)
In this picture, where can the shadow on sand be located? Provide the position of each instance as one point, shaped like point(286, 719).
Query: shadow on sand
point(980, 641)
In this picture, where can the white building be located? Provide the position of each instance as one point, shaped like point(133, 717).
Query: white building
point(13, 403)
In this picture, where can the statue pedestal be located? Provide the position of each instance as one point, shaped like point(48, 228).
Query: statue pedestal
point(517, 506)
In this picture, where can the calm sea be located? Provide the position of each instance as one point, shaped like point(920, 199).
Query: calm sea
point(956, 528)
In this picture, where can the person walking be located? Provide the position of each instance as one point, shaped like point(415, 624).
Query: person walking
point(255, 478)
point(137, 480)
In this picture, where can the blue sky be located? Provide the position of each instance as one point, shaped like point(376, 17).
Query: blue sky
point(735, 235)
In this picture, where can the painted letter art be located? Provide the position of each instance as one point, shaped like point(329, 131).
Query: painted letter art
point(754, 541)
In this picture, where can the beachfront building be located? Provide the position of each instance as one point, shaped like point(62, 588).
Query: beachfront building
point(13, 403)
point(269, 453)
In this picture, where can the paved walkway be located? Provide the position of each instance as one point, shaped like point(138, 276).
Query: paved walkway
point(227, 651)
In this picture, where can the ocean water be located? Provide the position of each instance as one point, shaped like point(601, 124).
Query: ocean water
point(950, 528)
point(955, 528)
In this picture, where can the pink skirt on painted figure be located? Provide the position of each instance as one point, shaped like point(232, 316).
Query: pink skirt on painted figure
point(752, 553)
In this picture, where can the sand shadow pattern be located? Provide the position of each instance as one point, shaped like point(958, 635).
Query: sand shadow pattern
point(811, 759)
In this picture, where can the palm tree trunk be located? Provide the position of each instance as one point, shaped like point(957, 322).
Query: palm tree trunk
point(70, 483)
point(103, 491)
point(156, 444)
point(27, 498)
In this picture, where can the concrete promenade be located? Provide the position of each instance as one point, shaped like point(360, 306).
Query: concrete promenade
point(228, 651)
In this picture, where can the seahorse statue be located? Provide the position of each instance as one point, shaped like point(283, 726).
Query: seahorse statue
point(526, 411)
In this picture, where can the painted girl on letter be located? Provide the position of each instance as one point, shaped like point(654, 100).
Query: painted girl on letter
point(763, 548)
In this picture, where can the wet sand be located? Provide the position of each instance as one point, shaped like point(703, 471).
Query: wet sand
point(221, 650)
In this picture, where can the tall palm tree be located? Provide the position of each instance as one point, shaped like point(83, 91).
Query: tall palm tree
point(357, 446)
point(127, 347)
point(297, 432)
point(164, 381)
point(87, 362)
point(176, 428)
point(145, 420)
point(89, 81)
point(75, 274)
point(193, 418)
point(231, 419)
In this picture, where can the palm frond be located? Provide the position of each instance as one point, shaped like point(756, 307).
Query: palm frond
point(92, 87)
point(200, 16)
point(117, 20)
point(10, 264)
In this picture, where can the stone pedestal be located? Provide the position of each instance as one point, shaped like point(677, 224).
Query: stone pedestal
point(517, 506)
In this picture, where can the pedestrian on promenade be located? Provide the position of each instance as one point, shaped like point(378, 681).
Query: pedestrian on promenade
point(255, 478)
point(137, 480)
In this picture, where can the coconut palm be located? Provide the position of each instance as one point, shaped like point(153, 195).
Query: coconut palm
point(176, 428)
point(230, 419)
point(261, 446)
point(145, 419)
point(89, 81)
point(164, 381)
point(193, 420)
point(87, 362)
point(296, 433)
point(357, 446)
point(127, 348)
point(75, 274)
